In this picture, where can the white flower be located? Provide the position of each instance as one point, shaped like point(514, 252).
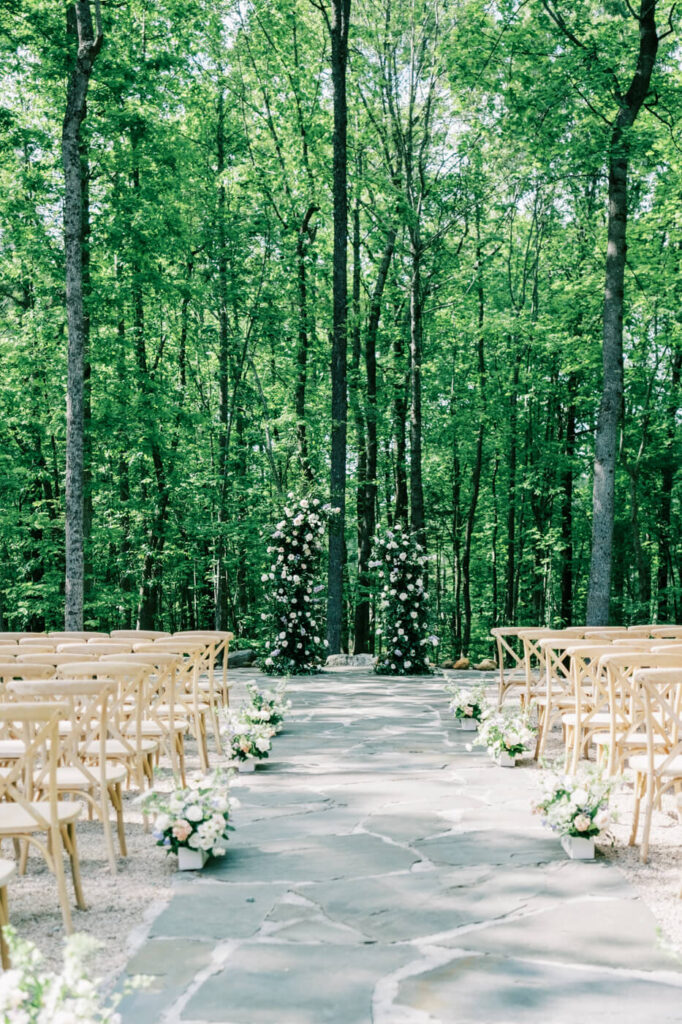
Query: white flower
point(194, 813)
point(579, 797)
point(162, 822)
point(582, 823)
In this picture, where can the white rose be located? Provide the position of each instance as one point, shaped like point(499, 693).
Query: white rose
point(194, 813)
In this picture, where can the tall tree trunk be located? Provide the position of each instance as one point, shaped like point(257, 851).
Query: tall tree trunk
point(666, 578)
point(606, 438)
point(367, 485)
point(304, 237)
point(510, 581)
point(87, 32)
point(338, 29)
point(416, 345)
point(399, 427)
point(567, 510)
point(223, 368)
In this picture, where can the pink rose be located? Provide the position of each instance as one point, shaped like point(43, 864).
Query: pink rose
point(181, 830)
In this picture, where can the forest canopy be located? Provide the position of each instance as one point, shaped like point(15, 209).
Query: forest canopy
point(484, 141)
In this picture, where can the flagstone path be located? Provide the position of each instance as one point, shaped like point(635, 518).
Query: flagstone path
point(380, 872)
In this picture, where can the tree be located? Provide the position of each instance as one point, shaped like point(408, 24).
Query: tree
point(84, 24)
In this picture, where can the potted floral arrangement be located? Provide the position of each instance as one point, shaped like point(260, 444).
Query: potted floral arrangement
point(577, 807)
point(507, 734)
point(244, 739)
point(466, 705)
point(401, 564)
point(29, 994)
point(267, 707)
point(193, 821)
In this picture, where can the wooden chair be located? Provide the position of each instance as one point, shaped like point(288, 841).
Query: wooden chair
point(667, 632)
point(660, 766)
point(53, 659)
point(558, 698)
point(126, 742)
point(187, 687)
point(163, 717)
point(590, 710)
point(97, 780)
point(96, 647)
point(626, 731)
point(220, 638)
point(21, 817)
point(18, 636)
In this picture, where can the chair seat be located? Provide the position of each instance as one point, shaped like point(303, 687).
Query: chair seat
point(182, 709)
point(601, 718)
point(150, 728)
point(11, 749)
point(115, 748)
point(640, 763)
point(7, 870)
point(73, 777)
point(16, 819)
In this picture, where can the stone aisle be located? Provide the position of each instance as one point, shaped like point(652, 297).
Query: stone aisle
point(381, 873)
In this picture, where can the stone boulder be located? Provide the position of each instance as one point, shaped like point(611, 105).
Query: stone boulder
point(350, 661)
point(487, 665)
point(448, 663)
point(461, 664)
point(241, 659)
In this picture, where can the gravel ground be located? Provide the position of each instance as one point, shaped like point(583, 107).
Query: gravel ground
point(120, 908)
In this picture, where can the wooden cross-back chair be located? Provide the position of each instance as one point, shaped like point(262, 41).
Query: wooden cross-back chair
point(590, 711)
point(126, 742)
point(659, 767)
point(220, 640)
point(21, 817)
point(162, 717)
point(97, 780)
point(625, 734)
point(558, 697)
point(72, 636)
point(138, 634)
point(187, 692)
point(96, 647)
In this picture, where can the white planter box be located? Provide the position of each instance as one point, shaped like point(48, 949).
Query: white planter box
point(191, 860)
point(466, 724)
point(578, 848)
point(506, 760)
point(247, 766)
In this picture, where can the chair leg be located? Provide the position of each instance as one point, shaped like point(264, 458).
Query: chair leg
point(639, 792)
point(105, 797)
point(180, 741)
point(69, 840)
point(58, 865)
point(4, 920)
point(116, 797)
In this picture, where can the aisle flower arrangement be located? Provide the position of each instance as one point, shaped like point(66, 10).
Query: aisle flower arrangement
point(467, 705)
point(506, 733)
point(29, 994)
point(267, 707)
point(577, 805)
point(400, 563)
point(296, 616)
point(244, 738)
point(194, 817)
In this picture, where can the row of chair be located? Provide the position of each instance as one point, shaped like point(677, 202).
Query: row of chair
point(81, 719)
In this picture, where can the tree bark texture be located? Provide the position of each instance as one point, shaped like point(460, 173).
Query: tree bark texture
point(338, 28)
point(608, 423)
point(87, 31)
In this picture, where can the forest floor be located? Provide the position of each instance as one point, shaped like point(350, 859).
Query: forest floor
point(381, 871)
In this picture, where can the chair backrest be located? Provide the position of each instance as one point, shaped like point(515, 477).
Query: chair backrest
point(19, 670)
point(667, 632)
point(53, 659)
point(138, 634)
point(89, 705)
point(74, 635)
point(18, 636)
point(38, 724)
point(668, 648)
point(660, 691)
point(627, 711)
point(95, 647)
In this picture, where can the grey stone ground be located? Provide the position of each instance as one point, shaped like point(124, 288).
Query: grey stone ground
point(381, 873)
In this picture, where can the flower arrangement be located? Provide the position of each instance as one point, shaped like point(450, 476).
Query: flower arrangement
point(466, 703)
point(267, 707)
point(505, 732)
point(31, 995)
point(196, 816)
point(243, 737)
point(296, 615)
point(576, 805)
point(401, 563)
